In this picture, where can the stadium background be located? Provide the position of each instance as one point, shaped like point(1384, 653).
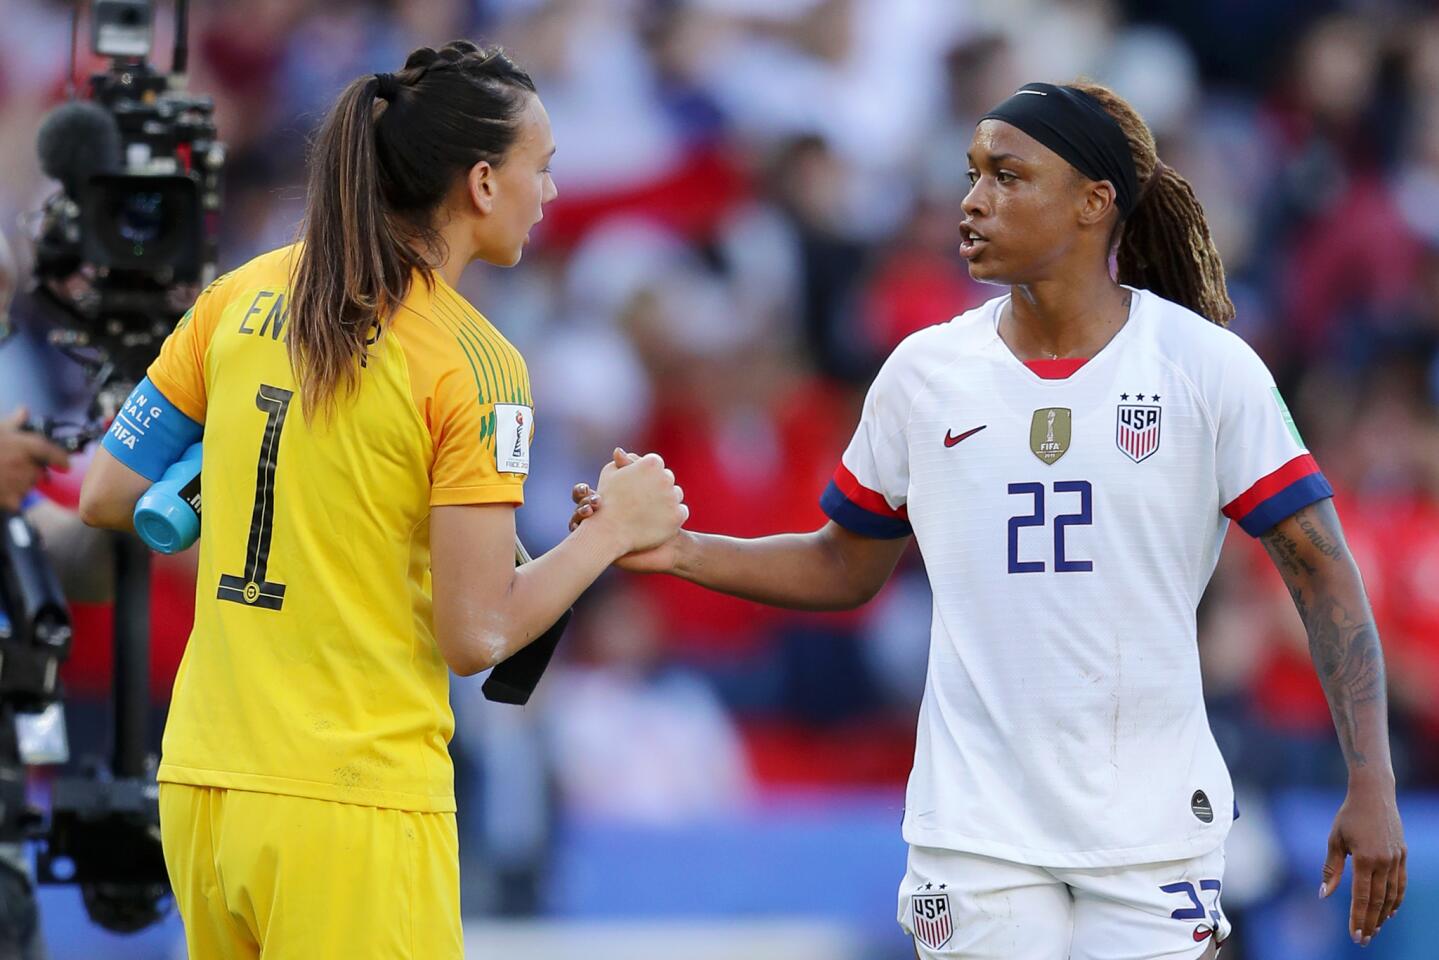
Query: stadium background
point(758, 200)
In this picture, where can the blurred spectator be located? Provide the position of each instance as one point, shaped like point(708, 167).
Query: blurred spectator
point(631, 738)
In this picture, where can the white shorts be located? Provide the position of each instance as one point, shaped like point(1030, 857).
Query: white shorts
point(964, 905)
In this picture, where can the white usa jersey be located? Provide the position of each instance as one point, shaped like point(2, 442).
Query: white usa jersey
point(1069, 527)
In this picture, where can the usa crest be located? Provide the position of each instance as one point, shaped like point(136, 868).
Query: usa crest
point(933, 922)
point(1136, 430)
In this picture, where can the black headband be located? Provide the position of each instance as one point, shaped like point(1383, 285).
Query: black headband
point(1074, 125)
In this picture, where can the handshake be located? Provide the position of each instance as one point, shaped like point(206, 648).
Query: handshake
point(641, 525)
point(638, 503)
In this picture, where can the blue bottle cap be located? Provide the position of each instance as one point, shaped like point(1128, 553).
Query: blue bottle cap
point(165, 522)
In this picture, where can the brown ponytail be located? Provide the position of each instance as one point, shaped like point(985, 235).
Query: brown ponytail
point(1164, 245)
point(379, 168)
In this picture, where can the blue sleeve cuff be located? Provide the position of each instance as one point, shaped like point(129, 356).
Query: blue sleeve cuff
point(857, 519)
point(150, 432)
point(1286, 503)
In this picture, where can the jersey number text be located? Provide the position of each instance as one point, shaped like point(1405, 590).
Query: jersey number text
point(251, 588)
point(1035, 518)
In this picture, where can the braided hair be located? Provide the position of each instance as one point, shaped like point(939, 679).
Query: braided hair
point(384, 159)
point(1165, 245)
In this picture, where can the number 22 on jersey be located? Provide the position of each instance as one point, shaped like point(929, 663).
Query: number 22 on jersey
point(1036, 518)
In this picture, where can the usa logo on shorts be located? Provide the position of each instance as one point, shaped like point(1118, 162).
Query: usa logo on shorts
point(1137, 430)
point(933, 924)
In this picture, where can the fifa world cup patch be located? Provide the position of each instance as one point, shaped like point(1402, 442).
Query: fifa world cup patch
point(514, 424)
point(1049, 431)
point(933, 921)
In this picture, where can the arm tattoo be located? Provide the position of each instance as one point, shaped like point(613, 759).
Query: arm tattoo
point(1324, 544)
point(1343, 641)
point(1287, 557)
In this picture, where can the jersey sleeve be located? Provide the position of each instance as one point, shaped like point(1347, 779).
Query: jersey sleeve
point(870, 488)
point(1265, 472)
point(481, 424)
point(179, 371)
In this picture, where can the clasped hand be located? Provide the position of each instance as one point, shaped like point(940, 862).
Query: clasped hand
point(651, 553)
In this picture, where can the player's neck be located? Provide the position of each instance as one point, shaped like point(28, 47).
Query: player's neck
point(454, 251)
point(451, 269)
point(1063, 317)
point(457, 247)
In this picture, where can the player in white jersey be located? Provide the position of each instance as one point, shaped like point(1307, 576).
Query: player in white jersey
point(1068, 458)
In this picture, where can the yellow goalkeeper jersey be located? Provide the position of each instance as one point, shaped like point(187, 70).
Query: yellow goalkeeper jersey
point(312, 668)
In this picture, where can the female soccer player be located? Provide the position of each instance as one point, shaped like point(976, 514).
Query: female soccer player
point(366, 441)
point(1068, 457)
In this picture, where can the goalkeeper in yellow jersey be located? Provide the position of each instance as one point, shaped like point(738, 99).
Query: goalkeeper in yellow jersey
point(366, 441)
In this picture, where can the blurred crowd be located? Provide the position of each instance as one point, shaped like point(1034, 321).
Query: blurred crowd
point(758, 199)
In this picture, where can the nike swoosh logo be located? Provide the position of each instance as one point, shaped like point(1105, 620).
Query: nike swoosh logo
point(950, 439)
point(1202, 933)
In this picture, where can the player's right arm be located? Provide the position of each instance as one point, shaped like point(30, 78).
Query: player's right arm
point(486, 608)
point(828, 569)
point(158, 422)
point(844, 563)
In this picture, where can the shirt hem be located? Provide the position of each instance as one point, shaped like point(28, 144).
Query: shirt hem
point(310, 789)
point(1212, 839)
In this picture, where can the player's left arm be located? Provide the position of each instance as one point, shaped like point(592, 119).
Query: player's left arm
point(1309, 550)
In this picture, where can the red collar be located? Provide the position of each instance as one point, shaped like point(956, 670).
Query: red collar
point(1056, 369)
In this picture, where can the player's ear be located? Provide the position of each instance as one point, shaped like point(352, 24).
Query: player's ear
point(1097, 198)
point(480, 185)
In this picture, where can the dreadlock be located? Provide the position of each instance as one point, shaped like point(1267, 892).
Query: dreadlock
point(1164, 245)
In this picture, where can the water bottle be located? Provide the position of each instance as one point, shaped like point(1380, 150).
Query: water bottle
point(167, 516)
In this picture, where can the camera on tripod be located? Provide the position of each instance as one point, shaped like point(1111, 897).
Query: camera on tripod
point(121, 252)
point(126, 246)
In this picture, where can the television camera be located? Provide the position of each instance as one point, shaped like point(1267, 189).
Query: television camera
point(120, 252)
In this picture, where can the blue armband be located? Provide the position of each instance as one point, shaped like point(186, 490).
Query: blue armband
point(150, 432)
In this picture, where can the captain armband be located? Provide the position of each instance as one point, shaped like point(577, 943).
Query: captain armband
point(150, 433)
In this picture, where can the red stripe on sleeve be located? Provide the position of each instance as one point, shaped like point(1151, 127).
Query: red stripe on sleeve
point(1266, 487)
point(862, 496)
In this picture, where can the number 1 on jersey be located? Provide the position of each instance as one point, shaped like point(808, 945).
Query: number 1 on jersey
point(251, 588)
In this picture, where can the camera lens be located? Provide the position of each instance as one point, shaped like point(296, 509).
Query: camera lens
point(144, 223)
point(141, 218)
